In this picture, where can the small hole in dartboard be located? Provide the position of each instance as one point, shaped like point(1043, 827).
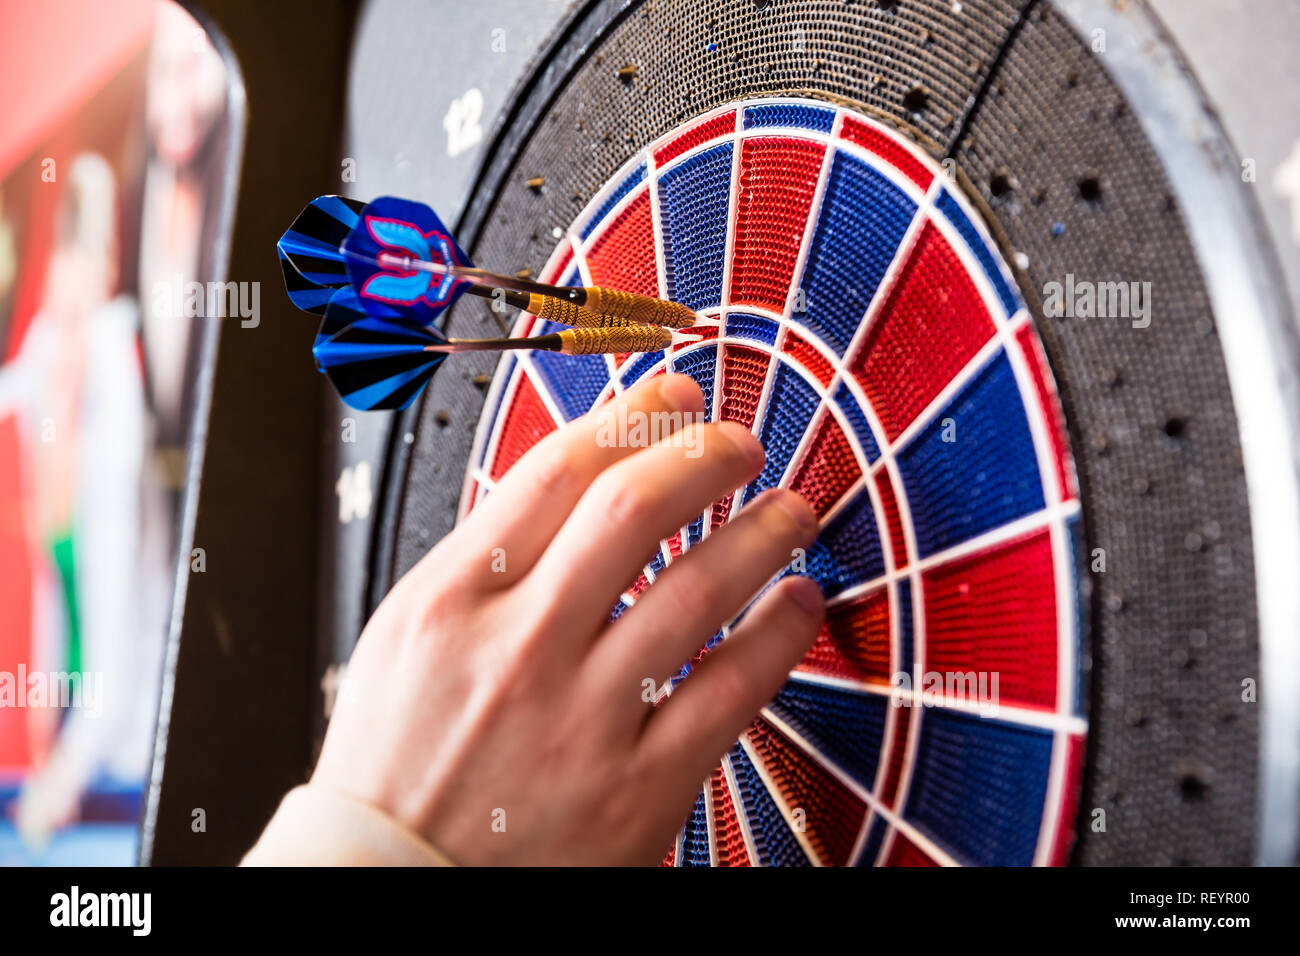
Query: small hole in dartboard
point(1192, 787)
point(1174, 427)
point(916, 100)
point(1090, 189)
point(1001, 184)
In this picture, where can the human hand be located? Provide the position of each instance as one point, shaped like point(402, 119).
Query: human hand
point(499, 714)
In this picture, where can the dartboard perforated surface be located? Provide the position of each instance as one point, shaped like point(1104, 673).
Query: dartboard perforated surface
point(857, 318)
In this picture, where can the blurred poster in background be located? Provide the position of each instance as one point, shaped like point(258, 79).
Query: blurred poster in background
point(114, 114)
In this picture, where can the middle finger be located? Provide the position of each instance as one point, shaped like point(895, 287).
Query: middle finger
point(642, 499)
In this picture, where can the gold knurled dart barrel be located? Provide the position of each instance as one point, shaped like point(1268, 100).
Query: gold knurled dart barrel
point(639, 309)
point(567, 313)
point(626, 338)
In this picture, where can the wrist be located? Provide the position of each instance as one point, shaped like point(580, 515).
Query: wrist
point(317, 826)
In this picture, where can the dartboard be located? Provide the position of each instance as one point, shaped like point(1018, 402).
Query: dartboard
point(855, 314)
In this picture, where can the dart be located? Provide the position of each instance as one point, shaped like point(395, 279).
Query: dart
point(398, 255)
point(378, 361)
point(381, 274)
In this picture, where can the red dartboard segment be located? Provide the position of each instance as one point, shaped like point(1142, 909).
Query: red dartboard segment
point(526, 423)
point(932, 324)
point(995, 613)
point(730, 848)
point(720, 512)
point(720, 125)
point(640, 584)
point(701, 332)
point(854, 642)
point(907, 853)
point(893, 519)
point(877, 141)
point(924, 527)
point(623, 257)
point(828, 468)
point(897, 757)
point(806, 354)
point(1050, 408)
point(1074, 755)
point(675, 545)
point(778, 177)
point(744, 370)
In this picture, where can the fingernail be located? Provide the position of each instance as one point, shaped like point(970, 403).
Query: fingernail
point(681, 393)
point(807, 596)
point(793, 504)
point(744, 440)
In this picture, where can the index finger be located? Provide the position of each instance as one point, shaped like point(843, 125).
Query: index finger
point(533, 500)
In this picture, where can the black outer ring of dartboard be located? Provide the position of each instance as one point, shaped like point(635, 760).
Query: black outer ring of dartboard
point(585, 29)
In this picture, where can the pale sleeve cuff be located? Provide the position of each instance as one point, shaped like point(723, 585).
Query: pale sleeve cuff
point(315, 826)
